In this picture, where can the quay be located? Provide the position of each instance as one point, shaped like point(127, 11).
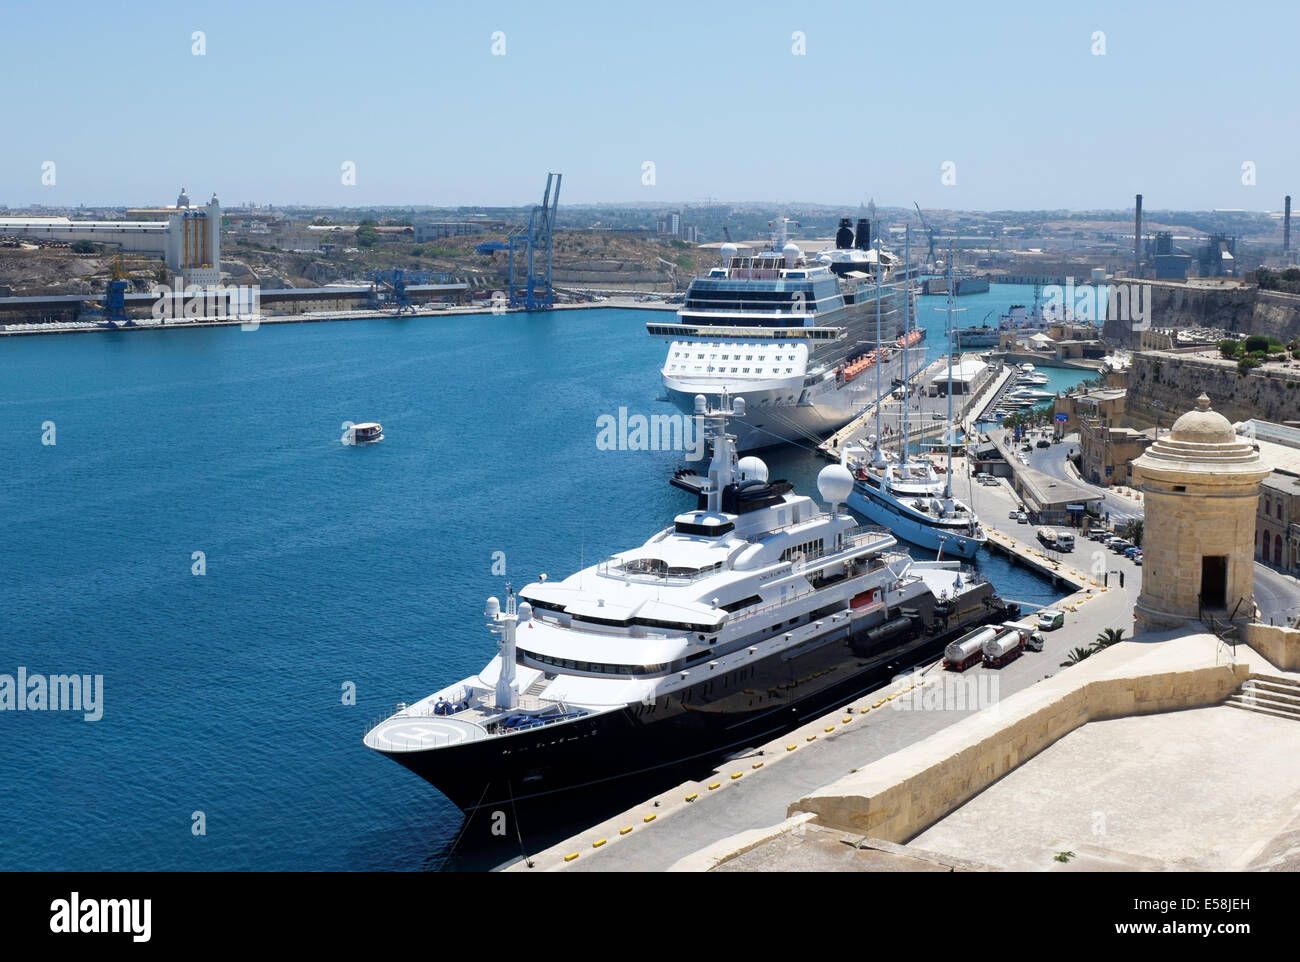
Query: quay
point(928, 410)
point(18, 329)
point(741, 800)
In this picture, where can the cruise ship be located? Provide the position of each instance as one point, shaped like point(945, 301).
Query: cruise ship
point(749, 614)
point(791, 332)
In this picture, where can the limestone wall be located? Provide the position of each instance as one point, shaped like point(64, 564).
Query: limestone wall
point(1278, 644)
point(902, 794)
point(1162, 386)
point(1247, 310)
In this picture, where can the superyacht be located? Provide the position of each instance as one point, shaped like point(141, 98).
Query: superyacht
point(751, 613)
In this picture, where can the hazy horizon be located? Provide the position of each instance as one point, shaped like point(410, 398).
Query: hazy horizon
point(450, 105)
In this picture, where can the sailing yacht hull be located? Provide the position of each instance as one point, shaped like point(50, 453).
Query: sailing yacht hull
point(885, 510)
point(731, 712)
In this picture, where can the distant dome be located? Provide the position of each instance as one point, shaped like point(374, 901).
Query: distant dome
point(183, 200)
point(1203, 426)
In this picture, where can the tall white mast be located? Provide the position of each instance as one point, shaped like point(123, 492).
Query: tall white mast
point(880, 355)
point(907, 316)
point(947, 487)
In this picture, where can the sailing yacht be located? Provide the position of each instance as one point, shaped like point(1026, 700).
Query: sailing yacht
point(904, 492)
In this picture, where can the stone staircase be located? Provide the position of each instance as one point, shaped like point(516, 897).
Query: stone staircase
point(1269, 695)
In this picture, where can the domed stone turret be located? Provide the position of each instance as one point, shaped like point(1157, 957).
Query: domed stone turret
point(1200, 486)
point(1203, 425)
point(183, 200)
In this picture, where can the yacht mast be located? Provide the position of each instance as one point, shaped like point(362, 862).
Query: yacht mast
point(907, 314)
point(880, 352)
point(952, 428)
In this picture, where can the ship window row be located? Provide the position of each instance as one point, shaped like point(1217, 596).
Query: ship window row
point(728, 357)
point(809, 549)
point(722, 370)
point(700, 325)
point(734, 606)
point(556, 610)
point(599, 668)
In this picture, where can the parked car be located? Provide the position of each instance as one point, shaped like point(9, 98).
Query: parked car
point(1044, 443)
point(1138, 560)
point(1022, 518)
point(1132, 552)
point(1049, 619)
point(1119, 545)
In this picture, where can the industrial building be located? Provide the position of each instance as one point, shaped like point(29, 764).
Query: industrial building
point(186, 237)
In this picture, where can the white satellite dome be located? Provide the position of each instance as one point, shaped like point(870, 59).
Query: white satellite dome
point(727, 252)
point(835, 482)
point(752, 469)
point(493, 608)
point(792, 253)
point(525, 612)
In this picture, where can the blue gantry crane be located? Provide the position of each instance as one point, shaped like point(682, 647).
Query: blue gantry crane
point(388, 289)
point(528, 285)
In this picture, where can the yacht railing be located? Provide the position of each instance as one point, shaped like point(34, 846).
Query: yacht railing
point(618, 569)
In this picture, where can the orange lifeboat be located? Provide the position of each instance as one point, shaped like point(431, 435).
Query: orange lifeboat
point(863, 363)
point(912, 339)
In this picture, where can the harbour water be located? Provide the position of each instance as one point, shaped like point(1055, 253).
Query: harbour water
point(324, 568)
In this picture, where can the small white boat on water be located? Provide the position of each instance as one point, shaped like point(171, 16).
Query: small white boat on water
point(368, 432)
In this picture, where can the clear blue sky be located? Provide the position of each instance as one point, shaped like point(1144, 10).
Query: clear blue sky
point(710, 92)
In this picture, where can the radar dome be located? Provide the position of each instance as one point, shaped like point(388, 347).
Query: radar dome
point(493, 608)
point(835, 483)
point(727, 252)
point(738, 407)
point(792, 253)
point(525, 612)
point(752, 469)
point(701, 404)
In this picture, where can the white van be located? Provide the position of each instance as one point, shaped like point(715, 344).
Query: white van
point(1049, 619)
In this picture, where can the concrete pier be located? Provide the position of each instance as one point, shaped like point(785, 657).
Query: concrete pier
point(927, 415)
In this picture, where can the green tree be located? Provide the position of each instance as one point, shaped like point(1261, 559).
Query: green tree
point(1261, 344)
point(83, 247)
point(1133, 531)
point(366, 236)
point(1111, 636)
point(1229, 347)
point(1076, 656)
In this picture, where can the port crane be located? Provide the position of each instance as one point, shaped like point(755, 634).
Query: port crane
point(534, 247)
point(388, 289)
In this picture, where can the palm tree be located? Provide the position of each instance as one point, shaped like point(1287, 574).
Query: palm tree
point(1111, 636)
point(1076, 656)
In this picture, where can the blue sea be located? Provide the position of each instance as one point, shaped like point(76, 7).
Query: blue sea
point(198, 535)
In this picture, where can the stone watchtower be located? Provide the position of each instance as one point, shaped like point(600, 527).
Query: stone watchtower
point(1200, 484)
